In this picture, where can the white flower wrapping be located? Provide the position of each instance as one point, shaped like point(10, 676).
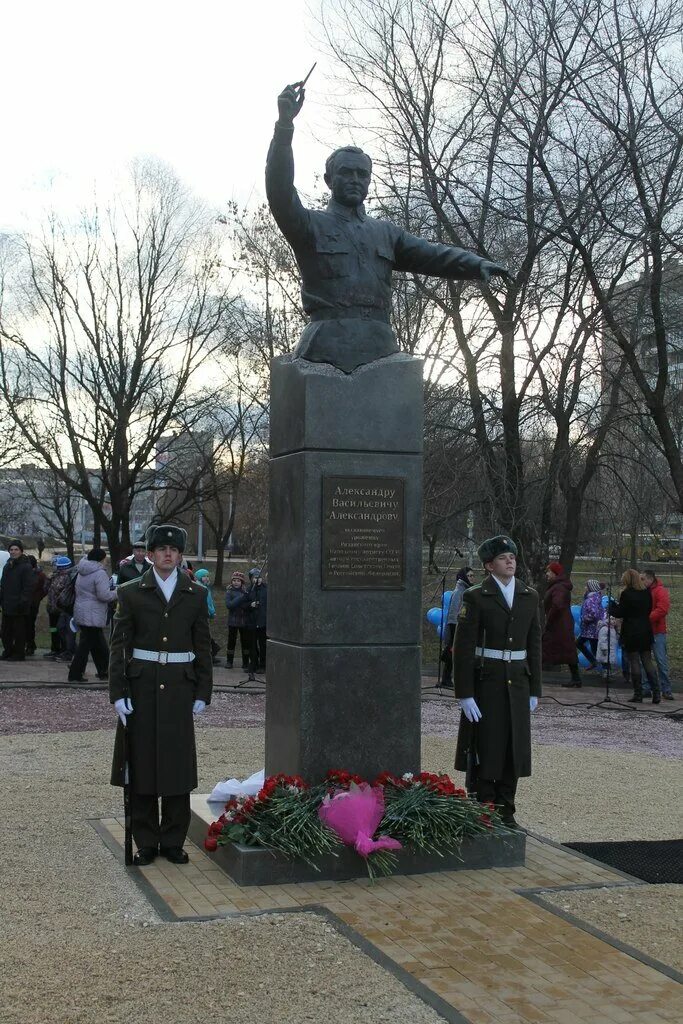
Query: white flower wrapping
point(223, 791)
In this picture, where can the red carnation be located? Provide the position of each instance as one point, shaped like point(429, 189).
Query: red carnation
point(211, 844)
point(388, 778)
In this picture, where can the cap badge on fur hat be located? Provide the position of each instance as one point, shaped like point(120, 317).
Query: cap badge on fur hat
point(494, 546)
point(166, 533)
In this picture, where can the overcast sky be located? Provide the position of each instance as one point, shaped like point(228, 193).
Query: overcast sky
point(88, 85)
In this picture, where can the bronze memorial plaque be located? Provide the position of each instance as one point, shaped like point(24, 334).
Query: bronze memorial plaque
point(363, 533)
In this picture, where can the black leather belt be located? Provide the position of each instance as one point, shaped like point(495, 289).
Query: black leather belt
point(350, 312)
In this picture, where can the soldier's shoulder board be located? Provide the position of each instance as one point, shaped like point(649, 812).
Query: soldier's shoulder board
point(129, 584)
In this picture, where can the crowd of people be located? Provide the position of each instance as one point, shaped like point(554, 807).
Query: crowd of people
point(81, 601)
point(626, 634)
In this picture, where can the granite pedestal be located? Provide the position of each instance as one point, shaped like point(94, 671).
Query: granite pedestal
point(345, 557)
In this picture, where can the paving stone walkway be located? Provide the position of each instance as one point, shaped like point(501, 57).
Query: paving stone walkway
point(479, 946)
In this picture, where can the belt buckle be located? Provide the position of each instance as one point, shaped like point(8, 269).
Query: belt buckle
point(507, 655)
point(163, 657)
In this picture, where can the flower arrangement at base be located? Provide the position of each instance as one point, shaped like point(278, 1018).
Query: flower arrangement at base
point(282, 816)
point(422, 812)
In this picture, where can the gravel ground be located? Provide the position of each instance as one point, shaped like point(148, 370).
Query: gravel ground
point(649, 917)
point(554, 725)
point(78, 931)
point(72, 710)
point(81, 944)
point(57, 710)
point(592, 795)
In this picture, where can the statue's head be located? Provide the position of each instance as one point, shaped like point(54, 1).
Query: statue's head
point(347, 175)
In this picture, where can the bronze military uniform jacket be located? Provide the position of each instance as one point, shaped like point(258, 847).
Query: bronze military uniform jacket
point(500, 688)
point(346, 260)
point(161, 735)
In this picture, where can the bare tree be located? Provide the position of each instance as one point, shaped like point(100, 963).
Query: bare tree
point(610, 160)
point(251, 521)
point(105, 337)
point(456, 115)
point(268, 320)
point(56, 501)
point(211, 458)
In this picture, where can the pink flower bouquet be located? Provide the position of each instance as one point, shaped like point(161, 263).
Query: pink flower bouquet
point(354, 815)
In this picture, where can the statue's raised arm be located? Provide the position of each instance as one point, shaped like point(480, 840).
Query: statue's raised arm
point(345, 257)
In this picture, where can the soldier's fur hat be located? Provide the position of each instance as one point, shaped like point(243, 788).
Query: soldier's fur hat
point(166, 533)
point(495, 546)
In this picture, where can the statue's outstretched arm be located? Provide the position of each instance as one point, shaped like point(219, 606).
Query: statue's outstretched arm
point(418, 256)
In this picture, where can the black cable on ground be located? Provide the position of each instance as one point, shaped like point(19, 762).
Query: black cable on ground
point(676, 715)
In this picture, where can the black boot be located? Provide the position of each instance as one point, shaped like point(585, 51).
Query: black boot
point(656, 689)
point(575, 677)
point(637, 697)
point(229, 660)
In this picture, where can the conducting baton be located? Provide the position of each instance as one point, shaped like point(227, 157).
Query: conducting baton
point(302, 84)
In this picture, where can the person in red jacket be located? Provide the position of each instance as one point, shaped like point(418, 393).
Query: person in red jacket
point(661, 602)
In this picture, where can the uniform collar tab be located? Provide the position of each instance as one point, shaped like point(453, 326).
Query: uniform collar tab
point(347, 212)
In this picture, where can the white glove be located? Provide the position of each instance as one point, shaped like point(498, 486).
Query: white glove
point(533, 703)
point(468, 706)
point(123, 707)
point(198, 707)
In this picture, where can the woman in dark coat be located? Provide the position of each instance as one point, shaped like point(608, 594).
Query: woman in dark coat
point(40, 583)
point(559, 646)
point(633, 608)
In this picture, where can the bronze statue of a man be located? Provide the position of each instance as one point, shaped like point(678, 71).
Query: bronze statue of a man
point(345, 257)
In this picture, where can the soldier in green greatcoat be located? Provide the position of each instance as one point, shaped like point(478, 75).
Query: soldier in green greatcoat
point(497, 675)
point(160, 676)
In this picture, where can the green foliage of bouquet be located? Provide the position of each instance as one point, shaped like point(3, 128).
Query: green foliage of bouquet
point(427, 812)
point(424, 812)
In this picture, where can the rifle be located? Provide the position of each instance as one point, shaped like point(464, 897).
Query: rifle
point(127, 788)
point(472, 755)
point(127, 802)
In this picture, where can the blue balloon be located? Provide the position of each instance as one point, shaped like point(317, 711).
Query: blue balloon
point(605, 600)
point(583, 660)
point(446, 602)
point(576, 615)
point(434, 616)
